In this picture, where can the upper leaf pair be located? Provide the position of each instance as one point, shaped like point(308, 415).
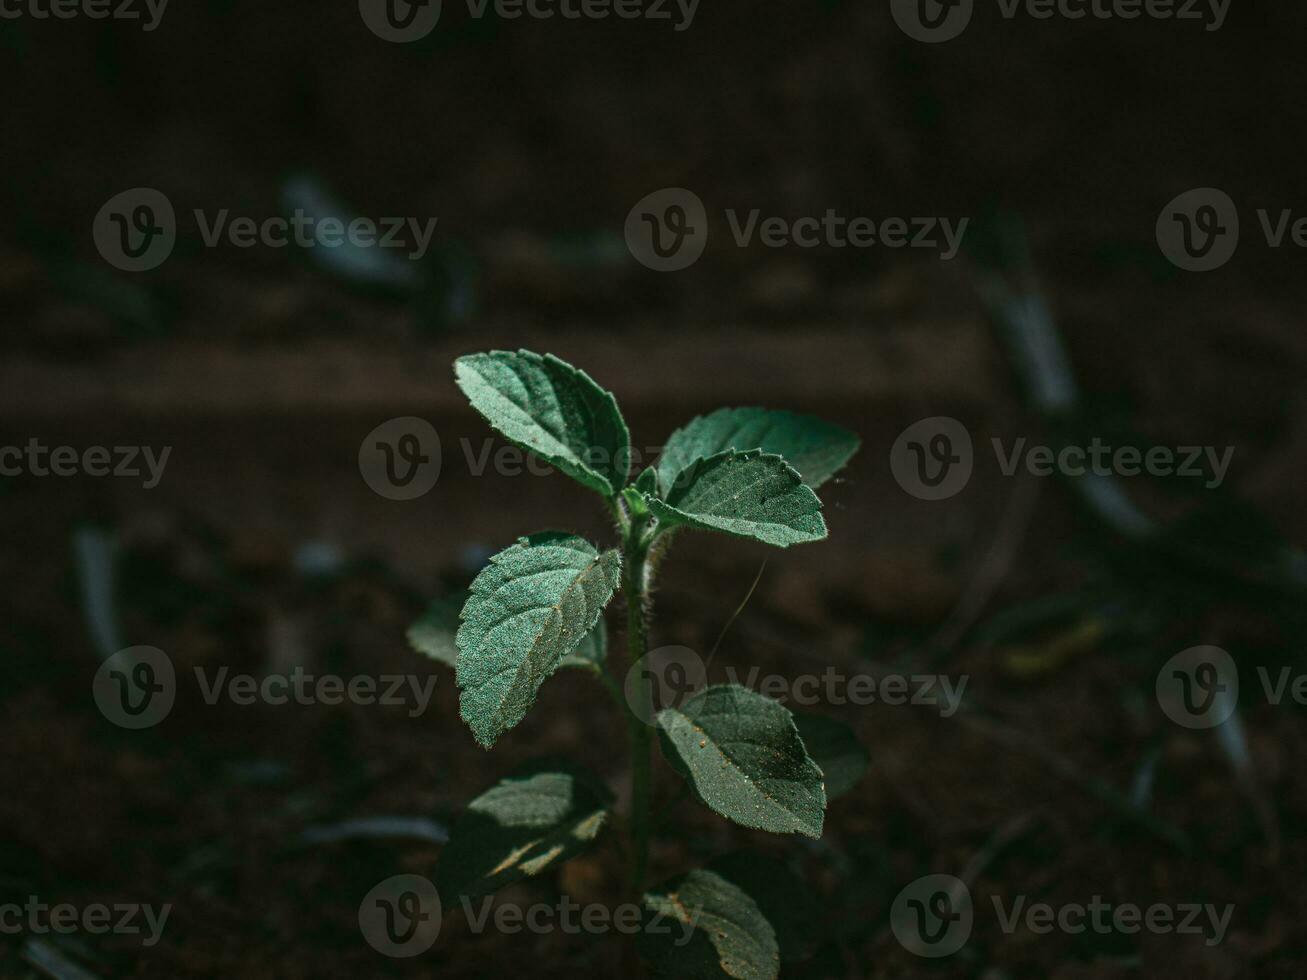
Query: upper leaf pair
point(749, 472)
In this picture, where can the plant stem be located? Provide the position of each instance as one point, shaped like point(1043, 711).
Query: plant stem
point(642, 708)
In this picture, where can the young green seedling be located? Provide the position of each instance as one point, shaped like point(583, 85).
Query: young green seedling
point(538, 605)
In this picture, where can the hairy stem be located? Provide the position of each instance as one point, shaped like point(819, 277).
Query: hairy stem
point(641, 707)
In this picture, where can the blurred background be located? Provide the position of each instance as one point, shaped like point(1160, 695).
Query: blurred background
point(264, 369)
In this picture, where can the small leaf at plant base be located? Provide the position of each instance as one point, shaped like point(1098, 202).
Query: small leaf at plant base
point(751, 495)
point(816, 448)
point(434, 635)
point(743, 756)
point(528, 609)
point(700, 926)
point(527, 823)
point(647, 481)
point(553, 409)
point(635, 502)
point(833, 746)
point(783, 897)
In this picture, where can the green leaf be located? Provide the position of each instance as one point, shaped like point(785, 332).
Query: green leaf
point(751, 495)
point(528, 822)
point(816, 448)
point(434, 635)
point(647, 481)
point(743, 756)
point(728, 936)
point(592, 651)
point(528, 609)
point(833, 746)
point(783, 897)
point(553, 409)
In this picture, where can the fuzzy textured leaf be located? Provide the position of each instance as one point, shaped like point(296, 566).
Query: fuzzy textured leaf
point(592, 651)
point(528, 822)
point(833, 746)
point(434, 635)
point(728, 934)
point(751, 495)
point(555, 410)
point(816, 448)
point(528, 609)
point(743, 756)
point(784, 898)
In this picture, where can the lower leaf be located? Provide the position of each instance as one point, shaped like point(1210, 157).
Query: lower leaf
point(530, 821)
point(700, 926)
